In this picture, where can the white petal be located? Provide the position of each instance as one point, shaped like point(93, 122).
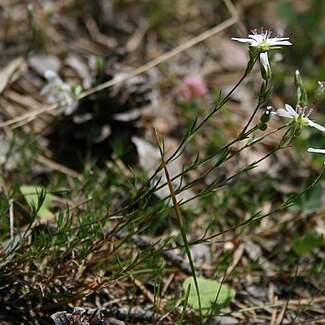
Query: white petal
point(280, 38)
point(243, 40)
point(257, 38)
point(315, 125)
point(290, 110)
point(50, 74)
point(278, 41)
point(264, 60)
point(285, 43)
point(313, 150)
point(283, 113)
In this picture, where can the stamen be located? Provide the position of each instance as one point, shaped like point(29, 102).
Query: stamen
point(309, 112)
point(268, 33)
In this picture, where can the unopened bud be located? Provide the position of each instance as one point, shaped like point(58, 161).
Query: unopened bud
point(265, 66)
point(302, 98)
point(266, 115)
point(298, 80)
point(262, 126)
point(320, 91)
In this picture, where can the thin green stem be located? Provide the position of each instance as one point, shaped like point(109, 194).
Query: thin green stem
point(181, 227)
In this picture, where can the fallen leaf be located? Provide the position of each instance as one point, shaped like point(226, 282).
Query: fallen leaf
point(41, 63)
point(81, 69)
point(11, 72)
point(210, 294)
point(31, 195)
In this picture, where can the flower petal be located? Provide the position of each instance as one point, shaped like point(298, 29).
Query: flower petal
point(316, 125)
point(263, 41)
point(290, 110)
point(282, 112)
point(278, 41)
point(243, 40)
point(313, 150)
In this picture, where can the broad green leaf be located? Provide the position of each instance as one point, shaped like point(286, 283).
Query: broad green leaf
point(208, 292)
point(31, 195)
point(307, 243)
point(310, 201)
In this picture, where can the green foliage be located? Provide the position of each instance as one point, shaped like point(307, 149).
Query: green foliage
point(212, 293)
point(307, 243)
point(308, 20)
point(4, 221)
point(309, 201)
point(310, 24)
point(38, 199)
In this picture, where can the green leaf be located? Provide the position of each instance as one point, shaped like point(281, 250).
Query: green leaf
point(208, 293)
point(310, 201)
point(31, 194)
point(307, 243)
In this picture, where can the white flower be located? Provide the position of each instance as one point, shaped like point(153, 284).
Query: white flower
point(316, 150)
point(299, 117)
point(259, 44)
point(58, 91)
point(263, 40)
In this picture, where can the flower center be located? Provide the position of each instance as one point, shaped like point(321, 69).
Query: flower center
point(264, 45)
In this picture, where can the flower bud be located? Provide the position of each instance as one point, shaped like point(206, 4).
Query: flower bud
point(320, 91)
point(262, 126)
point(265, 66)
point(266, 116)
point(298, 80)
point(302, 98)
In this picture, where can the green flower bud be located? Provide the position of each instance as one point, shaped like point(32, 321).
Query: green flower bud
point(266, 116)
point(262, 126)
point(320, 91)
point(298, 80)
point(302, 98)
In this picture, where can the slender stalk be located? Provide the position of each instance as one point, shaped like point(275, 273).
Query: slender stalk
point(181, 227)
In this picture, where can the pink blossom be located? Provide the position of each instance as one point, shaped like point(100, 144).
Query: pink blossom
point(193, 87)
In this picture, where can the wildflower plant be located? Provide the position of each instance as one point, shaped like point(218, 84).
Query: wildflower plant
point(263, 41)
point(298, 116)
point(259, 45)
point(98, 234)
